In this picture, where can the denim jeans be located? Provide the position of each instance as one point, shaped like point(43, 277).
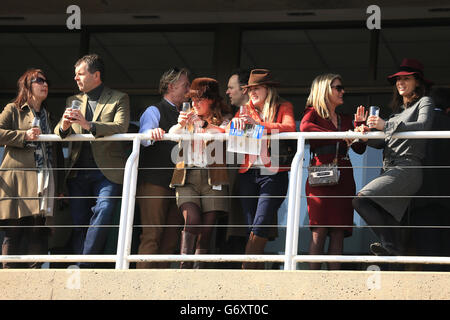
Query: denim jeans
point(259, 209)
point(91, 212)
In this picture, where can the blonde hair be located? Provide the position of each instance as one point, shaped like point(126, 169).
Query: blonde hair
point(171, 76)
point(319, 96)
point(270, 104)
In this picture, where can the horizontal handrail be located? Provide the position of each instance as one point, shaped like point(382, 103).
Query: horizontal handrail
point(372, 259)
point(88, 137)
point(59, 258)
point(227, 258)
point(282, 135)
point(298, 258)
point(207, 257)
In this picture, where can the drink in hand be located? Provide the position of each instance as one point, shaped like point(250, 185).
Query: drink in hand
point(373, 111)
point(36, 123)
point(76, 104)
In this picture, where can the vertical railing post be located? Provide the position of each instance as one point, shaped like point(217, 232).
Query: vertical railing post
point(131, 203)
point(127, 208)
point(293, 215)
point(298, 198)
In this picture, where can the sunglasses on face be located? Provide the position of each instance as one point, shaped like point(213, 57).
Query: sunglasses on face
point(40, 80)
point(338, 88)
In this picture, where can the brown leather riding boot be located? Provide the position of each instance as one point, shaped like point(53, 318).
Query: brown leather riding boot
point(188, 242)
point(255, 245)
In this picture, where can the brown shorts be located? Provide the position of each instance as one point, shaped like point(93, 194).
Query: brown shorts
point(197, 190)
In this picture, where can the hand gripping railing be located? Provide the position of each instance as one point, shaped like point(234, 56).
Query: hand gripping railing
point(290, 258)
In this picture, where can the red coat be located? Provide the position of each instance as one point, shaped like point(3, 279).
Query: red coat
point(338, 209)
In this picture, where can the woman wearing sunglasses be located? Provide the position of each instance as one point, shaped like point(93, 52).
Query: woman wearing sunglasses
point(330, 207)
point(27, 196)
point(385, 200)
point(200, 177)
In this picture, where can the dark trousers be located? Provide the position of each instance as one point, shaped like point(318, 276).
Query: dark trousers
point(258, 206)
point(91, 213)
point(25, 236)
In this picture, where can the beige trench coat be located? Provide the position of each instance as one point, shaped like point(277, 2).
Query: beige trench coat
point(20, 180)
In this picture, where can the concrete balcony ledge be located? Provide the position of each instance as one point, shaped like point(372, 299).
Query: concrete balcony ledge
point(172, 284)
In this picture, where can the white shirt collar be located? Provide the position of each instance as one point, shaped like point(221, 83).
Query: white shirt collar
point(170, 102)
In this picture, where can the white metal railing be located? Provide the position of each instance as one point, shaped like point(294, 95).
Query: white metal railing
point(123, 256)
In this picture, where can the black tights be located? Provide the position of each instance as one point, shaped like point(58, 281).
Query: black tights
point(375, 215)
point(25, 236)
point(198, 223)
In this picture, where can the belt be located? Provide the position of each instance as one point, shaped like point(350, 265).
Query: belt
point(328, 149)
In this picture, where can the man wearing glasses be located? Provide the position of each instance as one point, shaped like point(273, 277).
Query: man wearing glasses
point(155, 199)
point(96, 169)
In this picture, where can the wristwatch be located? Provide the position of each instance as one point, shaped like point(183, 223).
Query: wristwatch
point(92, 129)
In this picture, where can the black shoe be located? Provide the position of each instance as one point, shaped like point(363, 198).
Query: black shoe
point(379, 250)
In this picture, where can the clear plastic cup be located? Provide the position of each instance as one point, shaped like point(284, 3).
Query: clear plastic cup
point(374, 111)
point(76, 105)
point(36, 123)
point(186, 107)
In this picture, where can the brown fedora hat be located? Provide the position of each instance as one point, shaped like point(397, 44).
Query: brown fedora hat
point(260, 77)
point(409, 67)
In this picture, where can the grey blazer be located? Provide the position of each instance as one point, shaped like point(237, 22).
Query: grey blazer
point(401, 175)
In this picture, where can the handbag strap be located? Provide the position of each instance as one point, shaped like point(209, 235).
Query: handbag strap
point(337, 143)
point(335, 160)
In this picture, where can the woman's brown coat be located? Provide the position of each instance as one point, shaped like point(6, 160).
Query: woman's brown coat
point(18, 175)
